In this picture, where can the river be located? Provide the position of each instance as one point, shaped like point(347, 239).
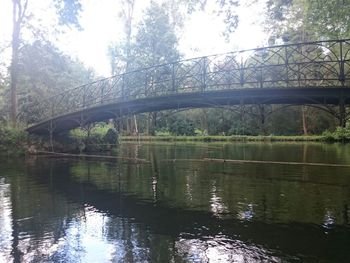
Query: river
point(178, 206)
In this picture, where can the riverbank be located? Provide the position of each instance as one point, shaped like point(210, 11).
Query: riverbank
point(18, 142)
point(234, 138)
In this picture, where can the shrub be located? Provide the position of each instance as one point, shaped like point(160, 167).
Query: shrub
point(199, 132)
point(182, 127)
point(163, 132)
point(111, 137)
point(340, 135)
point(100, 138)
point(12, 140)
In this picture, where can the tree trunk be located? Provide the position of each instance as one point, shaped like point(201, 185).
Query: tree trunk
point(18, 13)
point(14, 80)
point(151, 123)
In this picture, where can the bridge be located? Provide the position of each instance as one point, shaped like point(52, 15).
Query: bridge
point(312, 73)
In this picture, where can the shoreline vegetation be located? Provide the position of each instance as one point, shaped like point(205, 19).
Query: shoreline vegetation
point(221, 138)
point(339, 135)
point(101, 139)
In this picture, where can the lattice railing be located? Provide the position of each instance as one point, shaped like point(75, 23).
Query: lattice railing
point(314, 64)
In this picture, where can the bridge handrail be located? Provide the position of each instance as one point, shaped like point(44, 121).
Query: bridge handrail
point(195, 58)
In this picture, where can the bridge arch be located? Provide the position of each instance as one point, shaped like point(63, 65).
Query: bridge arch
point(317, 96)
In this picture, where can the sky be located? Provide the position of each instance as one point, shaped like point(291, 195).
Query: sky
point(201, 35)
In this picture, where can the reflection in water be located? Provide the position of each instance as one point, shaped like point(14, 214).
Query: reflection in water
point(221, 249)
point(5, 221)
point(246, 212)
point(217, 207)
point(329, 219)
point(87, 240)
point(178, 211)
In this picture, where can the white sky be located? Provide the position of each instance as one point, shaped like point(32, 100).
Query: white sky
point(202, 34)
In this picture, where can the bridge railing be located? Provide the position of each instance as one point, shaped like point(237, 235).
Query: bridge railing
point(313, 64)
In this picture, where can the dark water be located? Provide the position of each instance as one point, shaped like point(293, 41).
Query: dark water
point(177, 208)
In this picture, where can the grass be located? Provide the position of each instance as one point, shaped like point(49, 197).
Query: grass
point(234, 138)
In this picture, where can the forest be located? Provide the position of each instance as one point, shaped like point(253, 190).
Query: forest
point(33, 67)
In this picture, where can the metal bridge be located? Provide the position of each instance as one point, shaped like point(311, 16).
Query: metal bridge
point(313, 73)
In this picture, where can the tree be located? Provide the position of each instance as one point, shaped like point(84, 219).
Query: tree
point(303, 20)
point(155, 40)
point(67, 10)
point(182, 126)
point(119, 54)
point(45, 71)
point(329, 19)
point(18, 13)
point(155, 44)
point(179, 10)
point(228, 11)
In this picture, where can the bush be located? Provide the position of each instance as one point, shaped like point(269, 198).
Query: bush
point(182, 127)
point(163, 132)
point(111, 137)
point(199, 132)
point(100, 138)
point(12, 140)
point(339, 135)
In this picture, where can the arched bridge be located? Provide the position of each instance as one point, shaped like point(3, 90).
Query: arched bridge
point(313, 73)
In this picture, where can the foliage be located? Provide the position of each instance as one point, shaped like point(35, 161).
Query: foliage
point(228, 11)
point(240, 120)
point(163, 132)
point(42, 70)
point(233, 138)
point(111, 137)
point(45, 71)
point(100, 137)
point(339, 135)
point(12, 140)
point(199, 132)
point(182, 127)
point(239, 128)
point(155, 40)
point(155, 43)
point(330, 18)
point(302, 20)
point(67, 10)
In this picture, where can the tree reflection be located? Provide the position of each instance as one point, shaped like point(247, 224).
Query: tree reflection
point(5, 221)
point(172, 211)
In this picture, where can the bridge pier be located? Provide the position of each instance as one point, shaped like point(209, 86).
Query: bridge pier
point(51, 130)
point(262, 117)
point(342, 113)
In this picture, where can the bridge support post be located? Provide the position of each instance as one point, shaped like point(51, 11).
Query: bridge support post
point(262, 116)
point(242, 112)
point(51, 128)
point(342, 113)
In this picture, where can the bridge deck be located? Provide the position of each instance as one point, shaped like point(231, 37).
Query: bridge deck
point(293, 96)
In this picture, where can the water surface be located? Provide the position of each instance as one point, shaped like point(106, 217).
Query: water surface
point(179, 207)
